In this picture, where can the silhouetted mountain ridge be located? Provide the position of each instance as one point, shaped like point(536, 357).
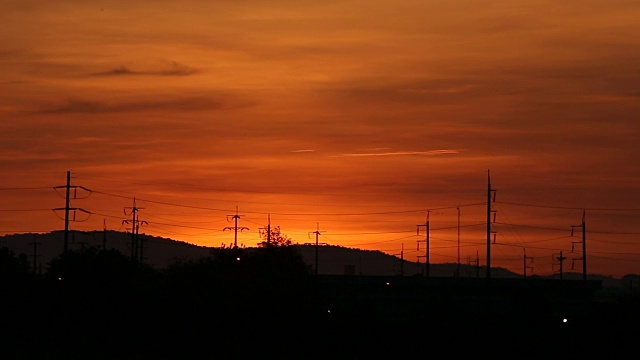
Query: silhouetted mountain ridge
point(159, 252)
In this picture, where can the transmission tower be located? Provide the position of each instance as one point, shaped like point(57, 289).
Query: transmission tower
point(584, 245)
point(135, 223)
point(235, 228)
point(68, 209)
point(491, 197)
point(426, 241)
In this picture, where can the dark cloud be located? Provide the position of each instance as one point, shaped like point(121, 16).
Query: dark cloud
point(197, 103)
point(10, 54)
point(117, 71)
point(175, 69)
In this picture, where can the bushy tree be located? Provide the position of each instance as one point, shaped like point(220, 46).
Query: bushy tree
point(274, 237)
point(98, 294)
point(13, 266)
point(92, 265)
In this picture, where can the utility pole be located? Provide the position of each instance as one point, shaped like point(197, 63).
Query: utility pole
point(427, 263)
point(584, 245)
point(491, 195)
point(135, 228)
point(317, 234)
point(458, 263)
point(476, 262)
point(402, 260)
point(104, 234)
point(525, 258)
point(66, 212)
point(140, 243)
point(561, 260)
point(67, 208)
point(267, 230)
point(235, 228)
point(35, 255)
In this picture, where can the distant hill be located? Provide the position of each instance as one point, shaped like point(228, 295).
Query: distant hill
point(338, 260)
point(159, 252)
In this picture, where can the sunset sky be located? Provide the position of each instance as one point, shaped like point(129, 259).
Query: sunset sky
point(354, 118)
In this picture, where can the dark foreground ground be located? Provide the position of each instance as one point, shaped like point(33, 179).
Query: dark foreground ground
point(324, 318)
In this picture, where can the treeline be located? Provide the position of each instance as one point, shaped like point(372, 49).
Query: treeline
point(94, 303)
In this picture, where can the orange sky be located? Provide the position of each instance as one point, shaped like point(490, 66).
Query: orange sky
point(355, 116)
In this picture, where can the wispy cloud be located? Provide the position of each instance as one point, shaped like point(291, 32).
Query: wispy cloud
point(91, 139)
point(402, 153)
point(175, 69)
point(20, 156)
point(195, 103)
point(374, 149)
point(302, 151)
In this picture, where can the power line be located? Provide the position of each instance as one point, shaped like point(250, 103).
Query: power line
point(229, 190)
point(19, 210)
point(568, 207)
point(25, 188)
point(71, 217)
point(569, 230)
point(289, 214)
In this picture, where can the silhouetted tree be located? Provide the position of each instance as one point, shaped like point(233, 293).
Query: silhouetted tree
point(94, 266)
point(94, 294)
point(274, 237)
point(239, 291)
point(17, 296)
point(12, 266)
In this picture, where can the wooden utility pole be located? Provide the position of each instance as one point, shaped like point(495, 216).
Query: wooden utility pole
point(524, 263)
point(35, 255)
point(317, 234)
point(267, 231)
point(477, 265)
point(402, 260)
point(561, 260)
point(104, 234)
